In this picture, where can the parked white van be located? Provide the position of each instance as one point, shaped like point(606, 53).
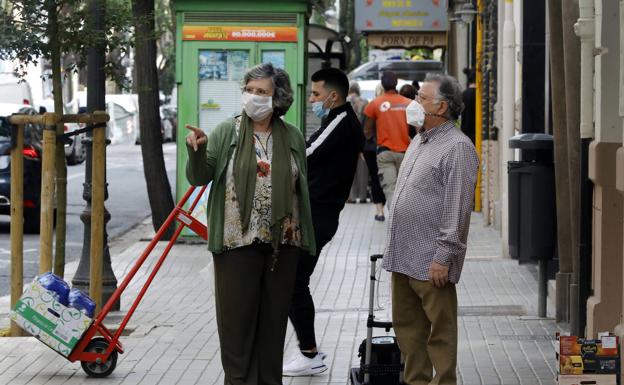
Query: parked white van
point(13, 91)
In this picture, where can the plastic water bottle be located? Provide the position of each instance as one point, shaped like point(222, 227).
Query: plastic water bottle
point(55, 284)
point(79, 300)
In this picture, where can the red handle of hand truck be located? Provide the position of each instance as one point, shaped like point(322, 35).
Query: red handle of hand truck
point(159, 234)
point(79, 353)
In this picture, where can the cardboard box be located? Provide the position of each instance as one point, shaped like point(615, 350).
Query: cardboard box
point(600, 365)
point(569, 346)
point(587, 379)
point(571, 364)
point(41, 315)
point(589, 356)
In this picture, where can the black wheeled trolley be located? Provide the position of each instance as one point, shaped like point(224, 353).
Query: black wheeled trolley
point(380, 357)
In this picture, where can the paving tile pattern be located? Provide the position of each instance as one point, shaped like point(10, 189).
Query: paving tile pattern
point(173, 336)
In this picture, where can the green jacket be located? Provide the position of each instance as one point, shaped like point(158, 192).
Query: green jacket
point(209, 164)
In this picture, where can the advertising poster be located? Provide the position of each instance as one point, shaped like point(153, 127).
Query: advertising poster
point(238, 62)
point(277, 58)
point(220, 73)
point(212, 65)
point(220, 76)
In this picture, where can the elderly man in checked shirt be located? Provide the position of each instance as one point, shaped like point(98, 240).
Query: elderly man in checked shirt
point(427, 232)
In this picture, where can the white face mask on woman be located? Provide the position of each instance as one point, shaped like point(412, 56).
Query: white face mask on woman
point(257, 107)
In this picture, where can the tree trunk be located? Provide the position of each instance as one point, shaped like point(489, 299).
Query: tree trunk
point(158, 188)
point(61, 167)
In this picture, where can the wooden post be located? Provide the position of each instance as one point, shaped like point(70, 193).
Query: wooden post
point(61, 205)
point(97, 214)
point(479, 103)
point(47, 193)
point(17, 222)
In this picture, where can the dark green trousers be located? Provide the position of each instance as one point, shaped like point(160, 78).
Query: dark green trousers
point(252, 305)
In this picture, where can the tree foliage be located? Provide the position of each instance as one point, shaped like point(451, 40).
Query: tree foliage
point(319, 7)
point(25, 28)
point(322, 5)
point(165, 44)
point(31, 30)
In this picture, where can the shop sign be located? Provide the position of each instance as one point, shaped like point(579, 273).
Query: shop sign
point(407, 40)
point(234, 33)
point(401, 15)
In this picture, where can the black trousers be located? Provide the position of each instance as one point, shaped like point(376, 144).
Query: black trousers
point(252, 304)
point(376, 190)
point(325, 221)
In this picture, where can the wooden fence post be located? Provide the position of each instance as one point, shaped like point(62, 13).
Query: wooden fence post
point(17, 221)
point(97, 213)
point(47, 192)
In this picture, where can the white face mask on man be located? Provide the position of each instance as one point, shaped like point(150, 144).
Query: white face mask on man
point(257, 107)
point(415, 114)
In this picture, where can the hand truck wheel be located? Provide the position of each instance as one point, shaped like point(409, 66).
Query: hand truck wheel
point(102, 369)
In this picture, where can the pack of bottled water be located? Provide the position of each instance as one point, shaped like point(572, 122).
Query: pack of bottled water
point(73, 297)
point(54, 313)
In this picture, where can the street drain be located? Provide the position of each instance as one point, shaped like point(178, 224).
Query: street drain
point(497, 310)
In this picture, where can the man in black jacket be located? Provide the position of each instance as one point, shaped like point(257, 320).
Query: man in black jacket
point(332, 154)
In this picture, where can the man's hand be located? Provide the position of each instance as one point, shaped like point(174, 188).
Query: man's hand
point(438, 274)
point(196, 137)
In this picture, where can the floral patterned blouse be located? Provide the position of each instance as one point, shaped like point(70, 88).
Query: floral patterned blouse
point(259, 229)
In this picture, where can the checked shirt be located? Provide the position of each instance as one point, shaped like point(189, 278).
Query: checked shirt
point(433, 200)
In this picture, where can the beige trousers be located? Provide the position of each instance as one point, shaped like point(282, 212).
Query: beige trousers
point(425, 322)
point(389, 163)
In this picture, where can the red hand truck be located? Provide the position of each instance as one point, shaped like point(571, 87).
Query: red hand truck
point(98, 355)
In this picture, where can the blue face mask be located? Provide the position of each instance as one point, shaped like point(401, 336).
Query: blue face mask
point(319, 110)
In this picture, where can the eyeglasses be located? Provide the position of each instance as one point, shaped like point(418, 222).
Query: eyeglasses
point(257, 91)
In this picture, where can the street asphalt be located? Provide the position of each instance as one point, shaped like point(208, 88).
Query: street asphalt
point(127, 204)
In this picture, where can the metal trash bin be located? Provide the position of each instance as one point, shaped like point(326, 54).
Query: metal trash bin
point(532, 208)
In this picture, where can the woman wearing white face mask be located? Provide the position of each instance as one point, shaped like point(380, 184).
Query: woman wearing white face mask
point(258, 220)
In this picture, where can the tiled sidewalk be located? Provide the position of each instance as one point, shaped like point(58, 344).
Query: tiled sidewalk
point(174, 339)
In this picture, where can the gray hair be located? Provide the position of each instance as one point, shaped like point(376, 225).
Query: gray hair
point(283, 93)
point(449, 91)
point(354, 87)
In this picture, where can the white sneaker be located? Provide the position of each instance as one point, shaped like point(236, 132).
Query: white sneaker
point(304, 366)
